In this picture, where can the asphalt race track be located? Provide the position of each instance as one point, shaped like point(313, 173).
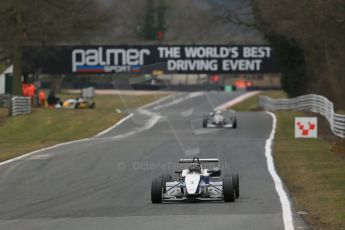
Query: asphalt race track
point(104, 182)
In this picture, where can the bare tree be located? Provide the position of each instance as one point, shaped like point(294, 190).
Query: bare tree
point(24, 22)
point(240, 14)
point(188, 22)
point(212, 22)
point(319, 28)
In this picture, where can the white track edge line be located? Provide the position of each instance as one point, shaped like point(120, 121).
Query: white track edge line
point(82, 140)
point(157, 101)
point(115, 125)
point(131, 114)
point(283, 197)
point(41, 150)
point(237, 100)
point(65, 143)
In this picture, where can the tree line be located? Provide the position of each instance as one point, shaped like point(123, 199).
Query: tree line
point(50, 22)
point(309, 37)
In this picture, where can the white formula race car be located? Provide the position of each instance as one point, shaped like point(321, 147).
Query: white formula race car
point(195, 183)
point(220, 119)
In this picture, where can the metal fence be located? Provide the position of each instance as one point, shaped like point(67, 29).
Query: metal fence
point(20, 106)
point(314, 103)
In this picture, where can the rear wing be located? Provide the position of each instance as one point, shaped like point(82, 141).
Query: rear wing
point(197, 160)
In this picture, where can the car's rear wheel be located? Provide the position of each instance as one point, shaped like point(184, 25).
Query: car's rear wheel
point(156, 190)
point(236, 184)
point(228, 190)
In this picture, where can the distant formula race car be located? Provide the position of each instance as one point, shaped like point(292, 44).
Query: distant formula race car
point(78, 103)
point(220, 119)
point(195, 183)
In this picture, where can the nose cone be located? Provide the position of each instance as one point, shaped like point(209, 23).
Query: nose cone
point(192, 183)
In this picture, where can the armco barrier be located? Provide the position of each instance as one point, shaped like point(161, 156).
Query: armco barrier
point(314, 103)
point(20, 106)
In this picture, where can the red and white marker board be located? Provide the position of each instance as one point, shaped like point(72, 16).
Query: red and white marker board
point(305, 127)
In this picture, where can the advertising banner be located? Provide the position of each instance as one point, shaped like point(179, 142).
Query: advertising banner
point(209, 59)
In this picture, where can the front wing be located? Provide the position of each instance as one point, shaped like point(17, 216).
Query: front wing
point(175, 191)
point(225, 125)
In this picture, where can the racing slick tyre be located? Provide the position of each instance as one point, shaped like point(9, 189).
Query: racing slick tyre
point(228, 190)
point(156, 190)
point(235, 124)
point(93, 105)
point(77, 106)
point(204, 122)
point(236, 184)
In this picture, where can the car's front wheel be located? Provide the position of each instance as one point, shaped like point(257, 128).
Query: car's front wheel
point(228, 190)
point(156, 190)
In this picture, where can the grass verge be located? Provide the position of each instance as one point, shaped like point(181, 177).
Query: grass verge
point(46, 127)
point(312, 169)
point(313, 172)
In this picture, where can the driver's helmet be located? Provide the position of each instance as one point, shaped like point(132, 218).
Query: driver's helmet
point(195, 168)
point(211, 114)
